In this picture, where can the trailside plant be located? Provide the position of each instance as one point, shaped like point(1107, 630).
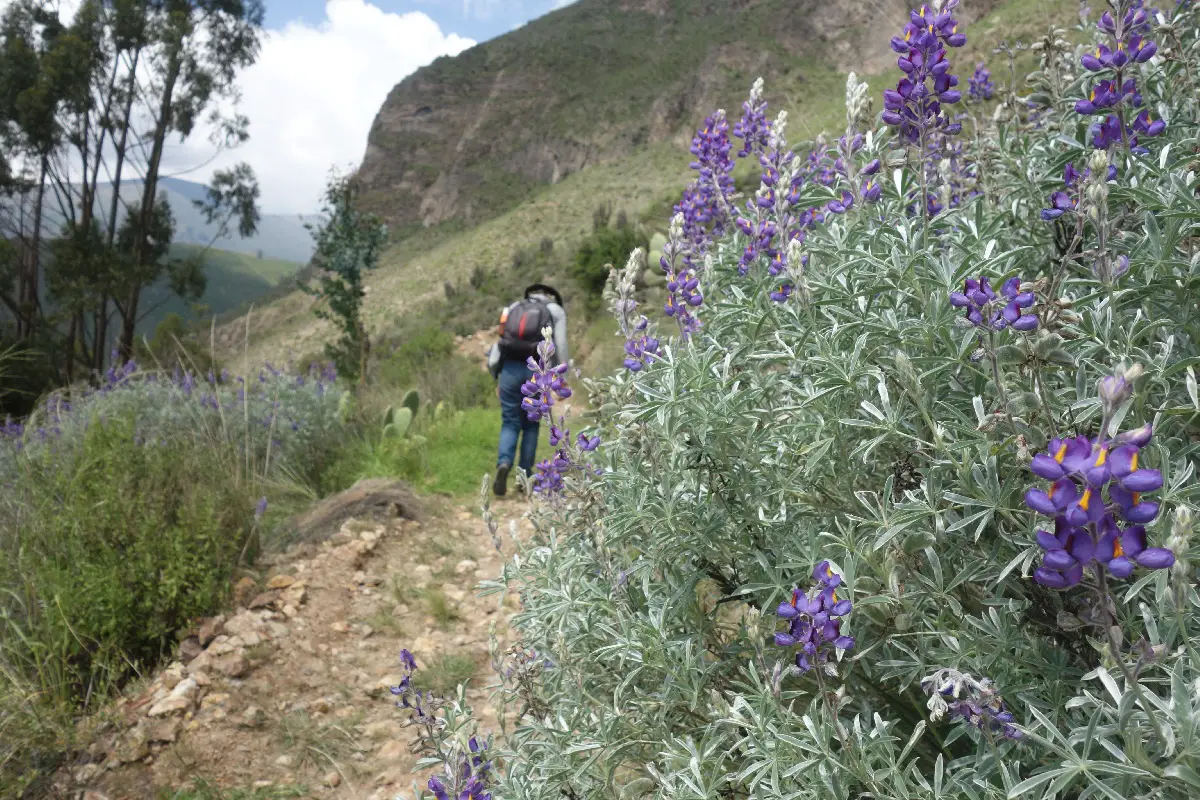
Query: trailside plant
point(349, 242)
point(920, 525)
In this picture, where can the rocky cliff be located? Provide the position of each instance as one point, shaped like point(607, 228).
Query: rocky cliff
point(470, 136)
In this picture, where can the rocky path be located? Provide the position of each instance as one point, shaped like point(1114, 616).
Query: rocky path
point(289, 694)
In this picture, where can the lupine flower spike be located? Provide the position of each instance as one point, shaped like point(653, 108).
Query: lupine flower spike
point(815, 620)
point(1091, 528)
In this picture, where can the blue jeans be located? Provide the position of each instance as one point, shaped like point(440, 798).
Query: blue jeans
point(514, 422)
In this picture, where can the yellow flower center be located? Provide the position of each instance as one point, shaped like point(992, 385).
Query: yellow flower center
point(1061, 454)
point(1100, 459)
point(1118, 551)
point(1133, 462)
point(1137, 498)
point(1086, 500)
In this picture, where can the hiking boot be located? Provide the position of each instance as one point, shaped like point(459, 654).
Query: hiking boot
point(501, 484)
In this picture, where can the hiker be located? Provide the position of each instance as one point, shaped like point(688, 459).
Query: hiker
point(520, 331)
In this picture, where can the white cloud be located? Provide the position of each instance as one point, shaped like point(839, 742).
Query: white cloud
point(312, 95)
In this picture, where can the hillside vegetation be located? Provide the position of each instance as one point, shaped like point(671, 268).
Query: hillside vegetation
point(643, 180)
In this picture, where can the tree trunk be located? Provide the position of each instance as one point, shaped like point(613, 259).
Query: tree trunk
point(70, 346)
point(31, 301)
point(149, 191)
point(102, 313)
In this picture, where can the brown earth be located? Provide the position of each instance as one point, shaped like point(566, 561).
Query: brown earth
point(293, 689)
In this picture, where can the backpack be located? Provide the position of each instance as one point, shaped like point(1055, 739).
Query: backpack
point(521, 328)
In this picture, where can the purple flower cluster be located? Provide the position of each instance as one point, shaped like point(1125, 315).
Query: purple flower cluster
point(915, 106)
point(683, 284)
point(752, 127)
point(980, 87)
point(474, 773)
point(422, 704)
point(706, 202)
point(985, 309)
point(544, 384)
point(974, 701)
point(815, 620)
point(1114, 97)
point(1087, 527)
point(640, 348)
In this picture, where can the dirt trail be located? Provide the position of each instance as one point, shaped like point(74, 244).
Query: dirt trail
point(293, 692)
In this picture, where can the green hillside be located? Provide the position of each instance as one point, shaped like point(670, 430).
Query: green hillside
point(234, 280)
point(641, 179)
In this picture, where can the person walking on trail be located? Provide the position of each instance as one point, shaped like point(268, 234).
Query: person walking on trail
point(521, 327)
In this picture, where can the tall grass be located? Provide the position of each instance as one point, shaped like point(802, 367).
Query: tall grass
point(124, 514)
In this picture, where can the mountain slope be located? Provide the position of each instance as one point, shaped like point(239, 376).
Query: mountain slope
point(641, 180)
point(470, 136)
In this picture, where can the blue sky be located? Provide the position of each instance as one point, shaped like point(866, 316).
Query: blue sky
point(475, 19)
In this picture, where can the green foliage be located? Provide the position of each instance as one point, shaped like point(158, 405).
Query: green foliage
point(396, 423)
point(412, 401)
point(866, 424)
point(426, 363)
point(444, 673)
point(348, 246)
point(124, 514)
point(605, 248)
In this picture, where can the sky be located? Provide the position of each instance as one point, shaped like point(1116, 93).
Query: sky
point(325, 68)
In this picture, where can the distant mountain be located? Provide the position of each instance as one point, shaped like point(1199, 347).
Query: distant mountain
point(471, 136)
point(233, 280)
point(279, 236)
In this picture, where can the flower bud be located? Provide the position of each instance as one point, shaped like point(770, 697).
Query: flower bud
point(1180, 540)
point(1114, 391)
point(1098, 162)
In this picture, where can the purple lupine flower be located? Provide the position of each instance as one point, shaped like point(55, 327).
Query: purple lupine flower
point(987, 309)
point(545, 384)
point(640, 349)
point(549, 474)
point(1066, 200)
point(1087, 528)
point(683, 285)
point(980, 87)
point(1126, 47)
point(815, 620)
point(915, 106)
point(971, 700)
point(260, 508)
point(705, 205)
point(752, 128)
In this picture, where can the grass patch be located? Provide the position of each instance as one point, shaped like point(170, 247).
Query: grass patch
point(316, 743)
point(445, 672)
point(456, 452)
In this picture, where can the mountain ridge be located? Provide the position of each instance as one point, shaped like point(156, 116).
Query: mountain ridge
point(470, 136)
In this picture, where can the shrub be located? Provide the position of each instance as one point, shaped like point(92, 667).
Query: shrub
point(124, 512)
point(603, 248)
point(427, 360)
point(903, 506)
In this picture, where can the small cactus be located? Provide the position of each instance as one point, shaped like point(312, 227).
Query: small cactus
point(388, 416)
point(397, 424)
point(412, 401)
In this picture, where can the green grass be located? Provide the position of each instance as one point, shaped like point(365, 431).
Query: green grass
point(233, 280)
point(445, 672)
